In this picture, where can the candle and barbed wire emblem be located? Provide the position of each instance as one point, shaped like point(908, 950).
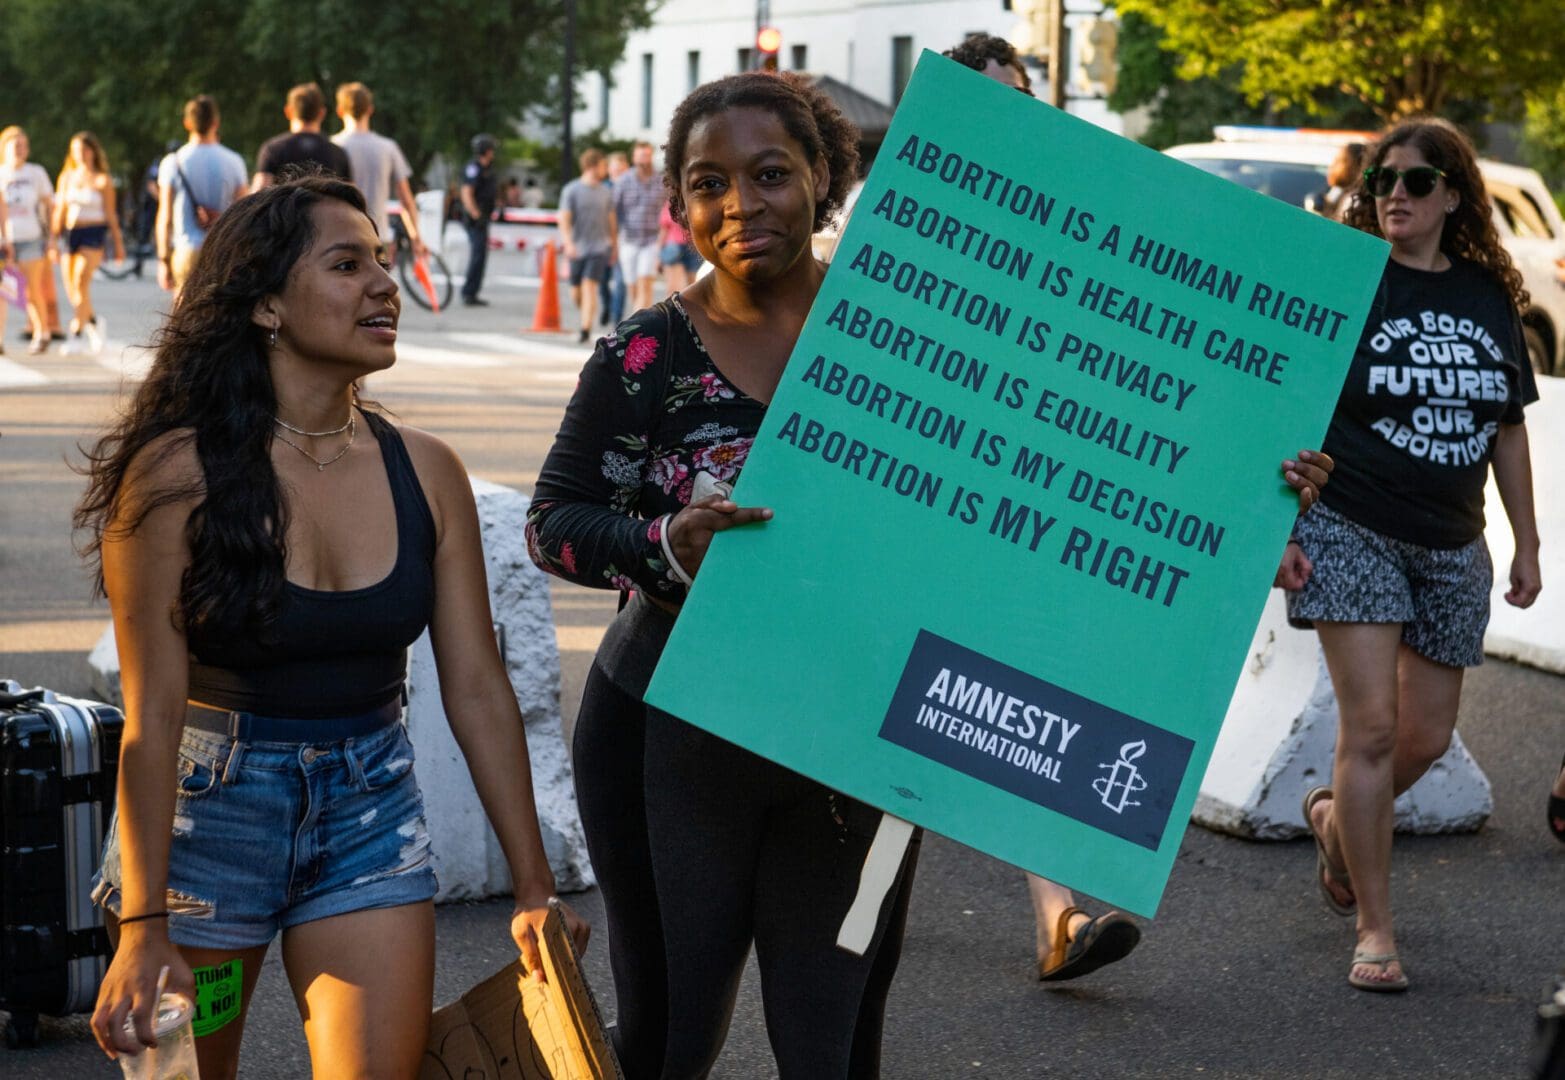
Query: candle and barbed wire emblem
point(1123, 780)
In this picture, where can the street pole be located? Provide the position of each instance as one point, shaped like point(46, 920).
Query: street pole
point(567, 153)
point(763, 18)
point(1057, 59)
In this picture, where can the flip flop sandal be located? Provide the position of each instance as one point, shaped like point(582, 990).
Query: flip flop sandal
point(1377, 986)
point(1109, 937)
point(1557, 814)
point(1323, 867)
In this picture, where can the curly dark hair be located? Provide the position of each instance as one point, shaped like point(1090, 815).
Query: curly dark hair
point(805, 110)
point(210, 385)
point(1469, 229)
point(976, 50)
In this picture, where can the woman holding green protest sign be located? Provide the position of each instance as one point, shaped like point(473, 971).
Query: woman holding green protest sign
point(725, 848)
point(1400, 589)
point(703, 848)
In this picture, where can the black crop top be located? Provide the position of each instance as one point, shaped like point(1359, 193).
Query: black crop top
point(332, 653)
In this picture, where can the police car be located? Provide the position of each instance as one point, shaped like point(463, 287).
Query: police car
point(1290, 164)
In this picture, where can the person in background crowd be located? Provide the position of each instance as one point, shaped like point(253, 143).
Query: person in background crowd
point(478, 200)
point(1342, 176)
point(611, 291)
point(196, 183)
point(376, 164)
point(993, 57)
point(679, 258)
point(267, 571)
point(532, 194)
point(638, 197)
point(1399, 592)
point(511, 196)
point(7, 254)
point(587, 229)
point(302, 147)
point(29, 198)
point(86, 215)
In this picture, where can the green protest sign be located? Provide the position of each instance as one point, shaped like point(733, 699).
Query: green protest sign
point(1025, 468)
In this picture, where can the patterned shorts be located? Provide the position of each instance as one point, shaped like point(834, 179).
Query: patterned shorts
point(1439, 595)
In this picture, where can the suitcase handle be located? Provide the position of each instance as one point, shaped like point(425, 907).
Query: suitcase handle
point(26, 697)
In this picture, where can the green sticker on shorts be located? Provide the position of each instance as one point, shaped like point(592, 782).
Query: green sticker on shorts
point(218, 990)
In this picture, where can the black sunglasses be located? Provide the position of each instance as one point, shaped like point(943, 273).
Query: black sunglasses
point(1419, 181)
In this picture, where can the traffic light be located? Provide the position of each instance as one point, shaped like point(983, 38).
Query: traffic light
point(768, 40)
point(1099, 59)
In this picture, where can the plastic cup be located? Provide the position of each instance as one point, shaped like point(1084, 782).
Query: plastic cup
point(174, 1058)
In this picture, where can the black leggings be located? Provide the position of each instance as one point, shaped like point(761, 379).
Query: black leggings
point(722, 850)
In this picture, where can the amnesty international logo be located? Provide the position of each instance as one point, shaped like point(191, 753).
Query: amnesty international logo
point(1123, 779)
point(1036, 739)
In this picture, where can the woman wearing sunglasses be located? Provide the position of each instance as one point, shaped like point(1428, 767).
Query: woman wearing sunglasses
point(1399, 592)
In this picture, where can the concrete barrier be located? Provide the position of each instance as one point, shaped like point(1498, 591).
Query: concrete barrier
point(1535, 636)
point(1277, 742)
point(467, 855)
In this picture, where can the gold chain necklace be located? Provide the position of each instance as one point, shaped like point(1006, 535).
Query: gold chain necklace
point(280, 422)
point(320, 465)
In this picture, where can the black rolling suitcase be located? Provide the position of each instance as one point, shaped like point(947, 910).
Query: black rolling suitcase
point(59, 760)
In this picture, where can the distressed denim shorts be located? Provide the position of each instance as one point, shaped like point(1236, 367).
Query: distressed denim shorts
point(269, 835)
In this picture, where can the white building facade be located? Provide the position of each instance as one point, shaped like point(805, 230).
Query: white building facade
point(871, 45)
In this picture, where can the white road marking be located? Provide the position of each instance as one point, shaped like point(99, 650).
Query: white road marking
point(14, 374)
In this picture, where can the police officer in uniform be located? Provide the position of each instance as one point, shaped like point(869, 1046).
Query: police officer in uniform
point(478, 202)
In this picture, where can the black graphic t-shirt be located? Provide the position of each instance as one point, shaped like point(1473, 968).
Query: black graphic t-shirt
point(1440, 367)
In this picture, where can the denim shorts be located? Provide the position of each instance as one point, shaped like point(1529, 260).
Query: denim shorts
point(269, 835)
point(589, 268)
point(86, 236)
point(683, 254)
point(1439, 595)
point(28, 250)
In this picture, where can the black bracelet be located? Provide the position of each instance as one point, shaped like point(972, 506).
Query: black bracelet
point(142, 918)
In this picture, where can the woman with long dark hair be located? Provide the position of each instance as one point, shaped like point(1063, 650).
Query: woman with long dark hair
point(1400, 589)
point(86, 218)
point(270, 546)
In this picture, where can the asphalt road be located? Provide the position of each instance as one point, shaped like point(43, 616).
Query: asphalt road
point(1242, 974)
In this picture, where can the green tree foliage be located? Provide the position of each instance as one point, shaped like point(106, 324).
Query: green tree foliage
point(1398, 57)
point(1543, 138)
point(441, 70)
point(1186, 109)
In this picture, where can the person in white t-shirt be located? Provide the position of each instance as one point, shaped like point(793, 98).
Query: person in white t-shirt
point(29, 197)
point(377, 163)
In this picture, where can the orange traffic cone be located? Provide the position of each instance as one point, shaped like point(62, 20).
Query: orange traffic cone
point(546, 316)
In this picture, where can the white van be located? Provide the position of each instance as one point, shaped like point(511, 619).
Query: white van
point(1290, 165)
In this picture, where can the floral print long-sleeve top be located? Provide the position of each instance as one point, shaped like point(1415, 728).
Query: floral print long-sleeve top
point(650, 413)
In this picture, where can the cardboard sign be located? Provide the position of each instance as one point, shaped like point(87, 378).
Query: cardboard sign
point(1025, 465)
point(510, 1028)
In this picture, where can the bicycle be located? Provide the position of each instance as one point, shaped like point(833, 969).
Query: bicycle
point(439, 276)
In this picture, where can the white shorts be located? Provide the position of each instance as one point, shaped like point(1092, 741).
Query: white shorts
point(638, 261)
